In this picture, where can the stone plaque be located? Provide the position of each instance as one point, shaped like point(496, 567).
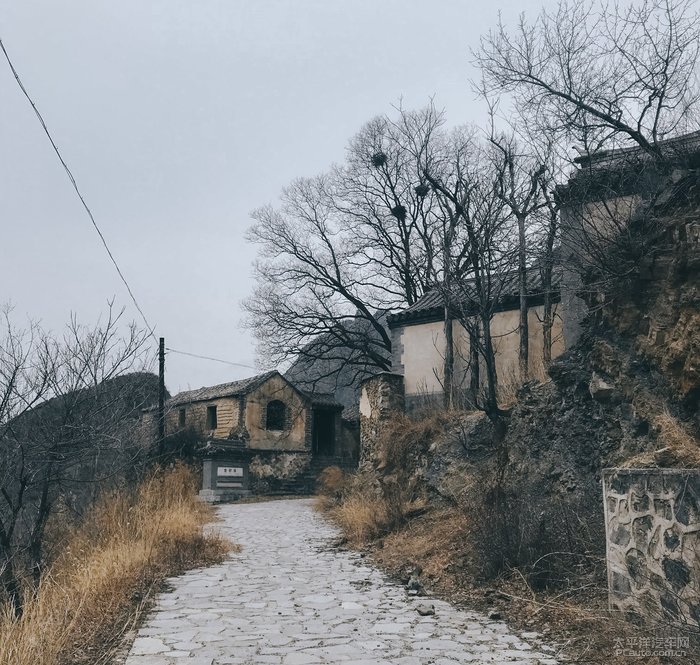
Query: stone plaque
point(229, 472)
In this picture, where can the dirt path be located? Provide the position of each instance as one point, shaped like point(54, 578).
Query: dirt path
point(289, 598)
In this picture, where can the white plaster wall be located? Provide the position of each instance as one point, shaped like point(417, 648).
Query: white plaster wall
point(365, 406)
point(423, 356)
point(424, 350)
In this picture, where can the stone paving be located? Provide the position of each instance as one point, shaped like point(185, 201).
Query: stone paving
point(289, 598)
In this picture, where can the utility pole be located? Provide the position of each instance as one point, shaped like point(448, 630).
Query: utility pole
point(161, 395)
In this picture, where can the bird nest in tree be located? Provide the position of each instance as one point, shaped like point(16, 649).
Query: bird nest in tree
point(378, 159)
point(421, 190)
point(399, 212)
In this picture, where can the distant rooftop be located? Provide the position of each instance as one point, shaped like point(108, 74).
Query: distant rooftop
point(233, 389)
point(243, 387)
point(676, 148)
point(431, 306)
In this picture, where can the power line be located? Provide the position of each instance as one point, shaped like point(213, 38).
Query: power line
point(75, 187)
point(92, 218)
point(218, 360)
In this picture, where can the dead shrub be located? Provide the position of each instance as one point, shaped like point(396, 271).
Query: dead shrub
point(331, 481)
point(110, 563)
point(368, 508)
point(362, 518)
point(407, 438)
point(329, 488)
point(360, 510)
point(552, 541)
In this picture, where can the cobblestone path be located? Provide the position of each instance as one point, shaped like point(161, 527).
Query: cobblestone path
point(289, 599)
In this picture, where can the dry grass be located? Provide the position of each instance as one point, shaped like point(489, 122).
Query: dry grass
point(680, 448)
point(510, 384)
point(362, 508)
point(407, 437)
point(435, 541)
point(331, 483)
point(577, 618)
point(362, 518)
point(110, 564)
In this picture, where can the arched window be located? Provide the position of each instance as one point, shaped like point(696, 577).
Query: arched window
point(275, 415)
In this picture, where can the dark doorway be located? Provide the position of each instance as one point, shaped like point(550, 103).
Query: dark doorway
point(324, 433)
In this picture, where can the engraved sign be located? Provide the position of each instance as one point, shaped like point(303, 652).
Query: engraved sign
point(230, 471)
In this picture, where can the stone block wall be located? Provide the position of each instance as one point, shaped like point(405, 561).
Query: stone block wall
point(652, 524)
point(381, 399)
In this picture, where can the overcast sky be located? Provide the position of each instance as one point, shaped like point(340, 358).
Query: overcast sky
point(179, 118)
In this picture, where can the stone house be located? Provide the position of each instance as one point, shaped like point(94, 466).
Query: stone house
point(265, 412)
point(419, 341)
point(261, 432)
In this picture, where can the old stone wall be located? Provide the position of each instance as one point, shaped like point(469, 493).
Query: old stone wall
point(381, 398)
point(652, 520)
point(272, 472)
point(348, 441)
point(297, 432)
point(195, 417)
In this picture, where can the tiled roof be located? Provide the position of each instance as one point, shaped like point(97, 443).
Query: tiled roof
point(243, 387)
point(235, 388)
point(432, 304)
point(677, 147)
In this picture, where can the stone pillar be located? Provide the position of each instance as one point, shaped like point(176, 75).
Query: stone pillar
point(652, 528)
point(381, 399)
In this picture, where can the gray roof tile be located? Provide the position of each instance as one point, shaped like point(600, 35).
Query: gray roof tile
point(235, 388)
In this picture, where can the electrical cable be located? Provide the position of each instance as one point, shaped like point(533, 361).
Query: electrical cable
point(92, 217)
point(75, 187)
point(218, 360)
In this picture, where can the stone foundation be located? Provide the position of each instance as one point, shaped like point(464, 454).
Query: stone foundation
point(652, 523)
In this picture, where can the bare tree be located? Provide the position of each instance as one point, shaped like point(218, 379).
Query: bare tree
point(620, 83)
point(67, 420)
point(421, 134)
point(475, 242)
point(314, 284)
point(414, 207)
point(599, 73)
point(342, 250)
point(392, 213)
point(546, 264)
point(519, 180)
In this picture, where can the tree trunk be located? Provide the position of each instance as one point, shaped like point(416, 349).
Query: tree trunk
point(491, 403)
point(547, 317)
point(448, 386)
point(36, 541)
point(522, 291)
point(547, 274)
point(474, 368)
point(10, 582)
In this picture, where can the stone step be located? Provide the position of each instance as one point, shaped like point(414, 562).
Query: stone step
point(305, 482)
